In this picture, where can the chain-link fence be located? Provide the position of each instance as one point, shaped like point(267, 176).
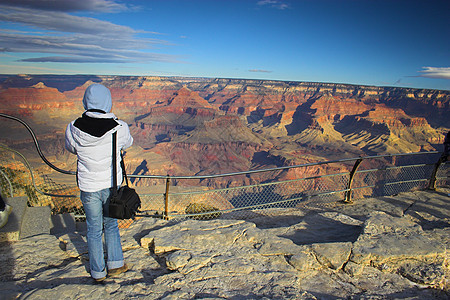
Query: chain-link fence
point(207, 197)
point(396, 174)
point(19, 178)
point(236, 195)
point(240, 201)
point(375, 176)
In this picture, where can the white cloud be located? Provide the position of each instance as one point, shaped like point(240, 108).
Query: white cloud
point(73, 5)
point(78, 48)
point(433, 72)
point(259, 71)
point(58, 21)
point(274, 3)
point(75, 39)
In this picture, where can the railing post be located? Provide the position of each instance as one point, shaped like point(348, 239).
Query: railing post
point(432, 184)
point(166, 199)
point(348, 194)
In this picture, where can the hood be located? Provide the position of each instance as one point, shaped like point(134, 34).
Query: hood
point(97, 96)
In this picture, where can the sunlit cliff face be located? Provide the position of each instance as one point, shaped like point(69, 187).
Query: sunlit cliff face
point(204, 126)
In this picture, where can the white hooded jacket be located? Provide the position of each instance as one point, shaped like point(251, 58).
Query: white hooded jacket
point(90, 138)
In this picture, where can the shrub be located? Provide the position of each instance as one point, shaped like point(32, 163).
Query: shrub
point(201, 209)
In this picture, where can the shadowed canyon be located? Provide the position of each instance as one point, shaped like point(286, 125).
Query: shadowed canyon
point(200, 126)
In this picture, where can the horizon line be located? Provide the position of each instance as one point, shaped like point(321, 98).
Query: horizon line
point(227, 78)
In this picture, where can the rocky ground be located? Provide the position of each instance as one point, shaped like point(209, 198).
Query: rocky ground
point(381, 248)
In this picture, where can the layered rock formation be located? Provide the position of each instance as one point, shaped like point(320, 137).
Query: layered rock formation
point(210, 126)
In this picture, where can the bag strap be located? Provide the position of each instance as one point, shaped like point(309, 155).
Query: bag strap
point(114, 162)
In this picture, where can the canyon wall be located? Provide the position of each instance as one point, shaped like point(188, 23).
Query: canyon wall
point(187, 126)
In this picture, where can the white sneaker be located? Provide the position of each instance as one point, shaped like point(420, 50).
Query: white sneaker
point(4, 214)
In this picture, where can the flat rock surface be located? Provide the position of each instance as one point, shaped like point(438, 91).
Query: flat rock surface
point(375, 248)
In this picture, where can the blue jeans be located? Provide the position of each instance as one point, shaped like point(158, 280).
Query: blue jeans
point(95, 207)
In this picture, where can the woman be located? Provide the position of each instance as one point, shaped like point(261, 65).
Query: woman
point(90, 138)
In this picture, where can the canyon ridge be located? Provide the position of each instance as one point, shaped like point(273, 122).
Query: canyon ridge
point(202, 126)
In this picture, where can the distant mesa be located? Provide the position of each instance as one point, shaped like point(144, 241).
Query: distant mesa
point(39, 85)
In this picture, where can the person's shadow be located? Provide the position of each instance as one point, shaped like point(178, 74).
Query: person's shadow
point(141, 169)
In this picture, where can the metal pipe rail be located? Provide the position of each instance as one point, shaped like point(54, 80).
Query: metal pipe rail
point(348, 190)
point(38, 148)
point(35, 140)
point(27, 164)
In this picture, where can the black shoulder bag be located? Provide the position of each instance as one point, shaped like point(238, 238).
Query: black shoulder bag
point(125, 202)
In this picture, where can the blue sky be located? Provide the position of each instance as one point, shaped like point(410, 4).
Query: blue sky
point(403, 43)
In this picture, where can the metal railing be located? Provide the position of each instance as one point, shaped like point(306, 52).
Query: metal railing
point(239, 194)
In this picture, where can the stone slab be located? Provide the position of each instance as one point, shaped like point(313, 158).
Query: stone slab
point(36, 221)
point(11, 231)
